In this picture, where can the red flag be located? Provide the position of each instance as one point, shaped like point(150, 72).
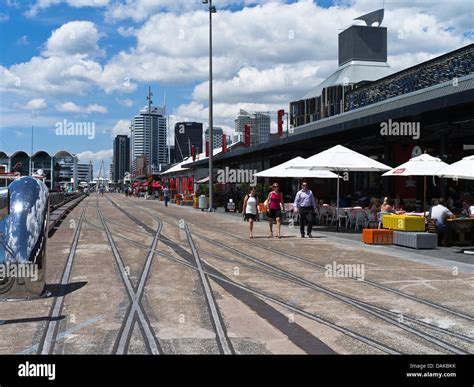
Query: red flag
point(280, 114)
point(247, 135)
point(224, 143)
point(207, 148)
point(193, 152)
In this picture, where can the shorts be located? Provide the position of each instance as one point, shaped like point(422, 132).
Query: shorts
point(250, 216)
point(274, 213)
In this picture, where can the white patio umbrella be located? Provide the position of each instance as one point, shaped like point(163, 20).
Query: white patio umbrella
point(282, 170)
point(462, 169)
point(423, 165)
point(341, 159)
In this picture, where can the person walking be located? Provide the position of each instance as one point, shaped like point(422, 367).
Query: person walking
point(305, 205)
point(251, 209)
point(274, 203)
point(166, 195)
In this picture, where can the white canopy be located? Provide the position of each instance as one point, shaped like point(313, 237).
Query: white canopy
point(341, 159)
point(423, 165)
point(282, 170)
point(462, 169)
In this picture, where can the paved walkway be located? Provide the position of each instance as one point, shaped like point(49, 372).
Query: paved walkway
point(150, 279)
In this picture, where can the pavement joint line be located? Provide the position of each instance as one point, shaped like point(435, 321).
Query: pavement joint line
point(65, 334)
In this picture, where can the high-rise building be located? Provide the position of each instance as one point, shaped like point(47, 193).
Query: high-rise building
point(149, 130)
point(121, 158)
point(112, 173)
point(186, 135)
point(259, 126)
point(85, 172)
point(218, 133)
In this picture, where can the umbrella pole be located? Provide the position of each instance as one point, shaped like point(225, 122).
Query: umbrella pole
point(424, 195)
point(337, 203)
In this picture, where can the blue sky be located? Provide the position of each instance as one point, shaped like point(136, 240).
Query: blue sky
point(92, 60)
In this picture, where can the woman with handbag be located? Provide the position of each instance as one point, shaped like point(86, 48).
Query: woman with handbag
point(251, 209)
point(274, 204)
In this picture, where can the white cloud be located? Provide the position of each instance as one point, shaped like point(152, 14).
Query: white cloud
point(125, 102)
point(71, 107)
point(36, 104)
point(121, 127)
point(4, 17)
point(100, 155)
point(76, 37)
point(272, 85)
point(23, 40)
point(271, 50)
point(44, 4)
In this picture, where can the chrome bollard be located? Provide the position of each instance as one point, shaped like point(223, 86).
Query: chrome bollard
point(24, 217)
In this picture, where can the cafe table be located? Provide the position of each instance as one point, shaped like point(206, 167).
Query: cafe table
point(461, 226)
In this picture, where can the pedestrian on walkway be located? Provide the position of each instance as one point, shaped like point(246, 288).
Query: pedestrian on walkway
point(166, 195)
point(274, 204)
point(305, 205)
point(251, 209)
point(102, 189)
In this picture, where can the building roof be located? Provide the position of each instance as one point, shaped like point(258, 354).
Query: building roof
point(352, 72)
point(425, 100)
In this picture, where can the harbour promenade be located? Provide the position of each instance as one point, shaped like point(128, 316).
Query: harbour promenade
point(127, 275)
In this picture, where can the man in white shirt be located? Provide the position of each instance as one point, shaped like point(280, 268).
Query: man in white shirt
point(440, 212)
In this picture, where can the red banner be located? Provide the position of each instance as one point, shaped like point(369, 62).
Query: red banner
point(247, 135)
point(224, 143)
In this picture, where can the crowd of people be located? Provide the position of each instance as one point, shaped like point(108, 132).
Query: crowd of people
point(307, 205)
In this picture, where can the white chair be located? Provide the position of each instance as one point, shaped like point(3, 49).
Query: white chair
point(323, 214)
point(371, 218)
point(342, 215)
point(360, 219)
point(351, 218)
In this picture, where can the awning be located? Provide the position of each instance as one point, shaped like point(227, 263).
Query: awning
point(204, 180)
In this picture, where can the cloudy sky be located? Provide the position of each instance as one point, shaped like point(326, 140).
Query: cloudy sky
point(92, 60)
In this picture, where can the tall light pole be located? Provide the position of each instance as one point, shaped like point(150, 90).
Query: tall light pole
point(212, 10)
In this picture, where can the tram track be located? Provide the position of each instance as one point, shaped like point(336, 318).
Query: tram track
point(136, 309)
point(376, 311)
point(222, 280)
point(48, 339)
point(218, 275)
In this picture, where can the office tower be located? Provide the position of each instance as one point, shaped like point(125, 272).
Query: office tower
point(186, 135)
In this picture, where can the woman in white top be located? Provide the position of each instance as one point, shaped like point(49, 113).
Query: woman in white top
point(251, 209)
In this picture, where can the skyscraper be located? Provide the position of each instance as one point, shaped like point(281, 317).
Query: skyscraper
point(149, 136)
point(218, 133)
point(121, 157)
point(186, 135)
point(259, 126)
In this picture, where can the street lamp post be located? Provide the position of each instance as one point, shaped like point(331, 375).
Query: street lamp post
point(212, 10)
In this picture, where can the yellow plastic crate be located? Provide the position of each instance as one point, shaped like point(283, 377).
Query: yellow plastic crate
point(404, 222)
